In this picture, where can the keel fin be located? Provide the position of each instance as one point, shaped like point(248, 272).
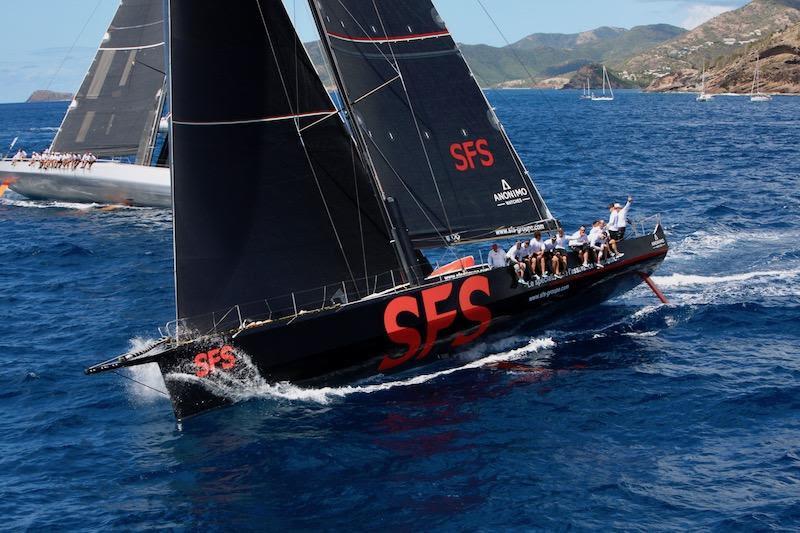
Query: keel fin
point(655, 288)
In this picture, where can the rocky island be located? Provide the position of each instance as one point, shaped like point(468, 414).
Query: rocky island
point(48, 96)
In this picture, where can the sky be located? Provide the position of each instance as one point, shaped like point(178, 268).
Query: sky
point(49, 44)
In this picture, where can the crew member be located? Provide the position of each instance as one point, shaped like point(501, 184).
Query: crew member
point(497, 257)
point(579, 243)
point(618, 220)
point(562, 243)
point(537, 255)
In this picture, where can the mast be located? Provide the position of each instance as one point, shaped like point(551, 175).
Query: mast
point(389, 206)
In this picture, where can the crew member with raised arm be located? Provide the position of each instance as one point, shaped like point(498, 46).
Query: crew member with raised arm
point(618, 220)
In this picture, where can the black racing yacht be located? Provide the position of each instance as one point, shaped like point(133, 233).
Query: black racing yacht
point(304, 260)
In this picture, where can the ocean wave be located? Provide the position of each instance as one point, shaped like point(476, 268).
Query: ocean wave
point(719, 239)
point(51, 204)
point(689, 280)
point(248, 384)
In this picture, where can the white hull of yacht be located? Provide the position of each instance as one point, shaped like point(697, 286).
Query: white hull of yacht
point(106, 183)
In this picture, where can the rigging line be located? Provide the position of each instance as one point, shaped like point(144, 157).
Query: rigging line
point(74, 44)
point(416, 123)
point(354, 102)
point(303, 143)
point(515, 157)
point(360, 214)
point(140, 383)
point(531, 79)
point(423, 208)
point(150, 67)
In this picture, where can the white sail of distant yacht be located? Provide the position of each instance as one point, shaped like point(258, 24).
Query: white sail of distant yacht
point(606, 81)
point(755, 93)
point(704, 96)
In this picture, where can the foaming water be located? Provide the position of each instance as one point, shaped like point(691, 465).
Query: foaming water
point(245, 383)
point(146, 384)
point(690, 280)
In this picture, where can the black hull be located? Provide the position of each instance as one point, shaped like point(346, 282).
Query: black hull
point(393, 332)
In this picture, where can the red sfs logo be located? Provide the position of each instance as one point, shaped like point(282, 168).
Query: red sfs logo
point(470, 154)
point(420, 342)
point(219, 358)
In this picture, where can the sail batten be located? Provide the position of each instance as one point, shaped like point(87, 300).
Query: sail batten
point(436, 144)
point(264, 204)
point(118, 104)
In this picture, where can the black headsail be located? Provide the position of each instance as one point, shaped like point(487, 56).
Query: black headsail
point(117, 108)
point(270, 196)
point(434, 142)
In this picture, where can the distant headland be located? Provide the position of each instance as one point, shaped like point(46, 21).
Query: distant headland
point(48, 96)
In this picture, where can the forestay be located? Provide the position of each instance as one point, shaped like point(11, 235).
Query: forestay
point(434, 142)
point(270, 196)
point(116, 110)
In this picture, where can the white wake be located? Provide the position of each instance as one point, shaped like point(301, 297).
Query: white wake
point(246, 383)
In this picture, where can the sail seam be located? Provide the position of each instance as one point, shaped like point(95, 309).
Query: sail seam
point(392, 39)
point(115, 28)
point(123, 48)
point(258, 120)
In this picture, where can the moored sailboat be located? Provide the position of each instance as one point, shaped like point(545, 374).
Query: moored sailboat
point(422, 162)
point(704, 96)
point(116, 115)
point(755, 93)
point(587, 90)
point(606, 97)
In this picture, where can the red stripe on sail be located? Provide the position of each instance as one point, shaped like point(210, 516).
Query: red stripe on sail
point(398, 38)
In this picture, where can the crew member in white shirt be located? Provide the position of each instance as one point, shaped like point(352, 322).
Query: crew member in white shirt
point(538, 265)
point(579, 243)
point(598, 244)
point(519, 266)
point(561, 243)
point(497, 257)
point(618, 220)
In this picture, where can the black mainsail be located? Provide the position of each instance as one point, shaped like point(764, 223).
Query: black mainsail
point(270, 195)
point(117, 109)
point(434, 141)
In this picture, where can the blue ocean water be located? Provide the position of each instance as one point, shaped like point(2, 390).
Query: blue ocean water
point(638, 416)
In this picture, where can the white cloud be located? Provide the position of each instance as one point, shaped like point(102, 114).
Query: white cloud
point(697, 14)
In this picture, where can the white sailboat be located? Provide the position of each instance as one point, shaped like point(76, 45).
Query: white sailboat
point(587, 90)
point(116, 114)
point(704, 96)
point(755, 93)
point(605, 97)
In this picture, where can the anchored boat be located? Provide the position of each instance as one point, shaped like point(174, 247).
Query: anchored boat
point(116, 114)
point(303, 261)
